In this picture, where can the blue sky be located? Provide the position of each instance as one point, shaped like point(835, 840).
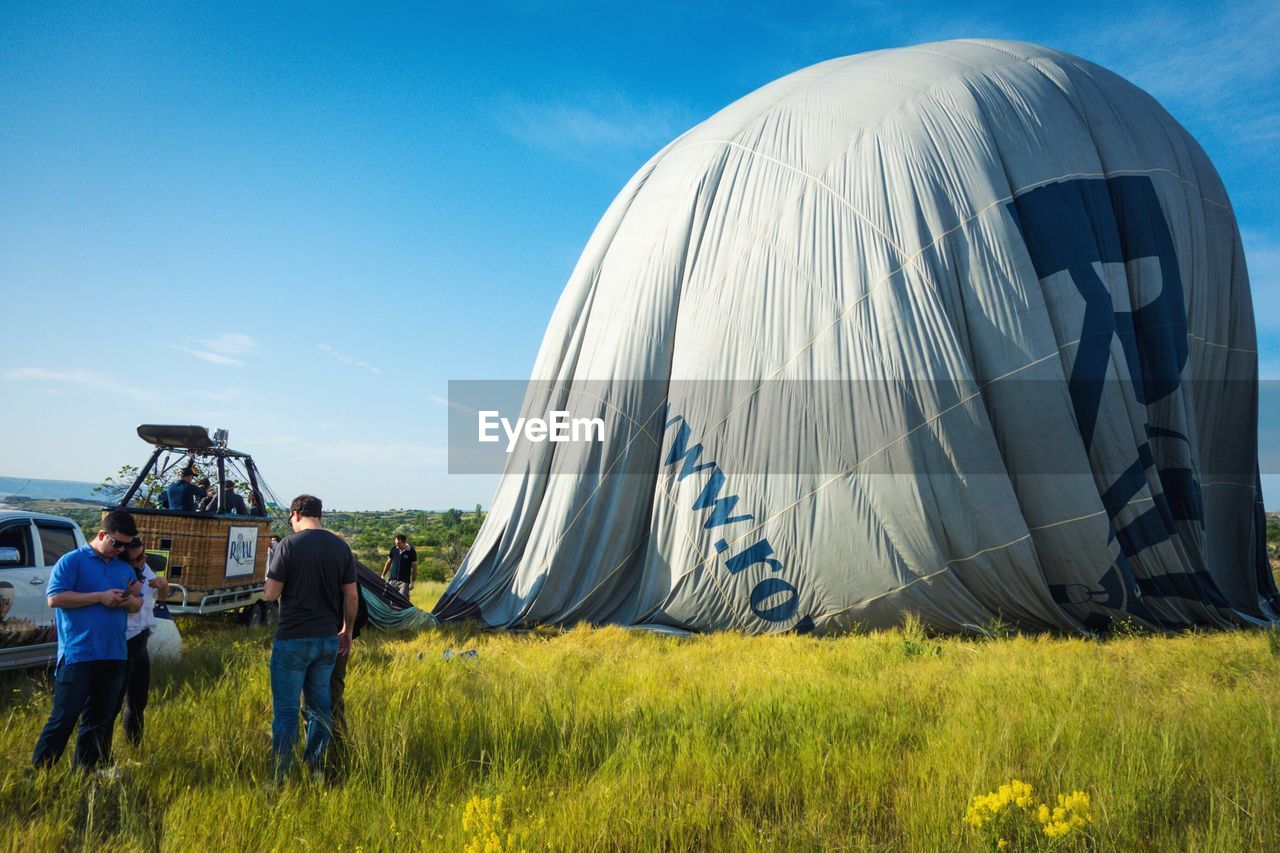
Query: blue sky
point(299, 221)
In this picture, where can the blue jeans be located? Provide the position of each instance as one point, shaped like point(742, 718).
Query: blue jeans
point(298, 667)
point(88, 693)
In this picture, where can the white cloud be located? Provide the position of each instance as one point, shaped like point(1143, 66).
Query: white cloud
point(231, 343)
point(25, 374)
point(1263, 257)
point(79, 376)
point(1217, 66)
point(436, 398)
point(211, 357)
point(346, 359)
point(223, 349)
point(596, 123)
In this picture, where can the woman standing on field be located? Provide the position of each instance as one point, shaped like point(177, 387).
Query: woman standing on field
point(137, 679)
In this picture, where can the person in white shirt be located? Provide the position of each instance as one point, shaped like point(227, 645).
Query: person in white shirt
point(137, 680)
point(271, 550)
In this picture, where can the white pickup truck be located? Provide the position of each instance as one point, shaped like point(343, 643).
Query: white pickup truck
point(30, 545)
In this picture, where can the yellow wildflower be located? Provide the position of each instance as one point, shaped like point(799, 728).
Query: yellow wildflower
point(483, 819)
point(1070, 815)
point(1013, 807)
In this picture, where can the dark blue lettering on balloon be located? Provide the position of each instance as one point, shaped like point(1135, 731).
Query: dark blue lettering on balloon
point(780, 597)
point(757, 553)
point(772, 599)
point(709, 498)
point(1076, 226)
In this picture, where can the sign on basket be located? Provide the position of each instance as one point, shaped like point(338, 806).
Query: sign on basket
point(242, 550)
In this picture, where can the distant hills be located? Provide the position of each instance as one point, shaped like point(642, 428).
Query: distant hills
point(46, 489)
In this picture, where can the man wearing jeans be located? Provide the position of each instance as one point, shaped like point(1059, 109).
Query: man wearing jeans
point(92, 592)
point(313, 576)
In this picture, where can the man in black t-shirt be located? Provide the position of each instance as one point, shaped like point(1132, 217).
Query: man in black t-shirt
point(313, 576)
point(335, 757)
point(402, 562)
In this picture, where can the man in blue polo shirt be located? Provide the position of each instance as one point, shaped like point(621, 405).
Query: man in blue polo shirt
point(92, 593)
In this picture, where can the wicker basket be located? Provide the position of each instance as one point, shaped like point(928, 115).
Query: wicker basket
point(206, 552)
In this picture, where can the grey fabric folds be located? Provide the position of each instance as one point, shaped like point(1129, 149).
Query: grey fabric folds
point(995, 289)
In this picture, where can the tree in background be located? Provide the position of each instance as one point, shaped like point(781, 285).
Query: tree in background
point(442, 538)
point(114, 487)
point(452, 551)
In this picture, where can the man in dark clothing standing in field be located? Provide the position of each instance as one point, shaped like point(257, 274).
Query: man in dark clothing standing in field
point(92, 592)
point(402, 562)
point(336, 757)
point(338, 689)
point(313, 576)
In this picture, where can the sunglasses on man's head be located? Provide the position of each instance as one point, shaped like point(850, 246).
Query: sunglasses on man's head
point(116, 543)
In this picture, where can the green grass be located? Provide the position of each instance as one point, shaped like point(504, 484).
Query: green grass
point(610, 739)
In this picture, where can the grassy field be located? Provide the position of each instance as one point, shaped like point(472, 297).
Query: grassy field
point(616, 740)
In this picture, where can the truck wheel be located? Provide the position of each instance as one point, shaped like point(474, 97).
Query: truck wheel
point(255, 614)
